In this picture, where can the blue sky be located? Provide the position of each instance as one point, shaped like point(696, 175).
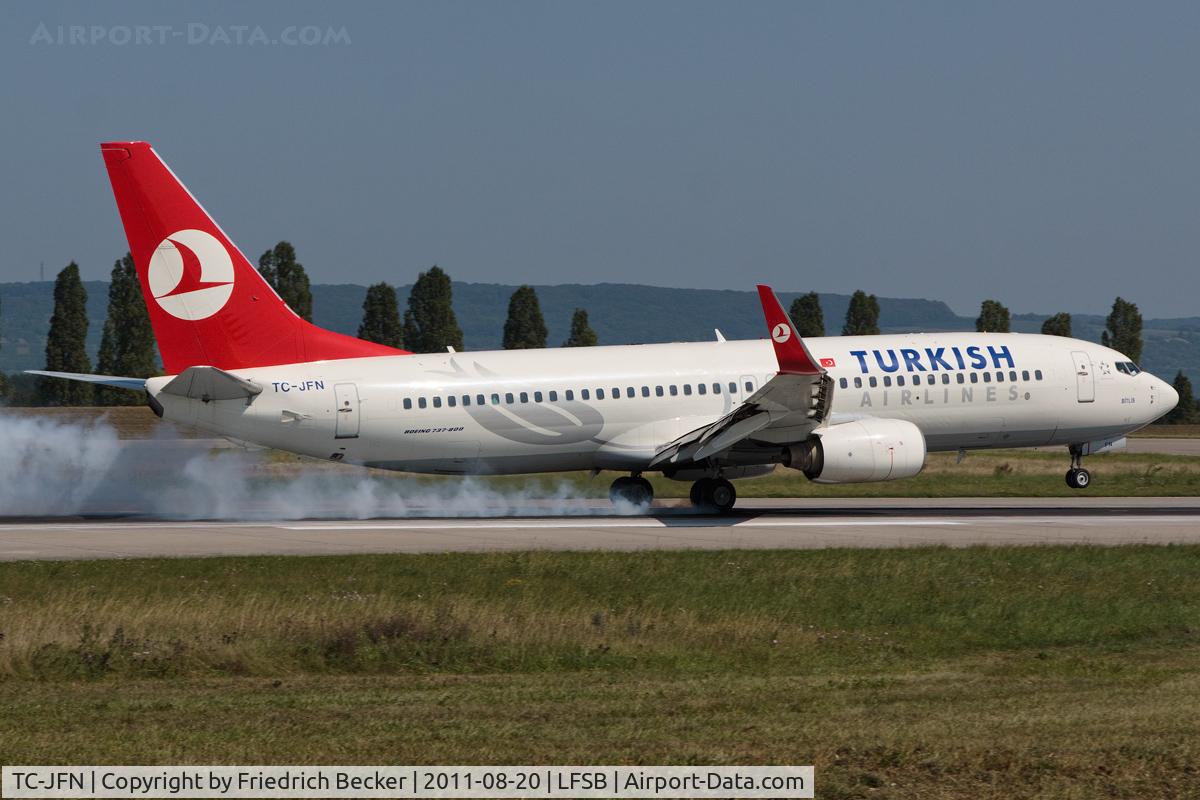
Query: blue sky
point(1044, 154)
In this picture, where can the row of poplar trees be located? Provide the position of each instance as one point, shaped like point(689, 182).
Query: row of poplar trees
point(127, 345)
point(430, 326)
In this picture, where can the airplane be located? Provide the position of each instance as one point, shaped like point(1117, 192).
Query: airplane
point(846, 409)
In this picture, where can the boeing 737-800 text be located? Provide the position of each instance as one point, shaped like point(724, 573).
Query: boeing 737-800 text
point(839, 409)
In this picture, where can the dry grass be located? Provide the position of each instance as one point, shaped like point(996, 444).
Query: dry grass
point(1050, 672)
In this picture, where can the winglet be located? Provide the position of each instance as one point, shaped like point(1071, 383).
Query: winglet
point(790, 350)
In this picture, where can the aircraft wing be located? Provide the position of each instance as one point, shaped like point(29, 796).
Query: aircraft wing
point(784, 410)
point(137, 384)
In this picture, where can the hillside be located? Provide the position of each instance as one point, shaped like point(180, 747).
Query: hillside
point(620, 313)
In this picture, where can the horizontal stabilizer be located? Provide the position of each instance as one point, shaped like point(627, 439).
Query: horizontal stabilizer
point(210, 383)
point(136, 384)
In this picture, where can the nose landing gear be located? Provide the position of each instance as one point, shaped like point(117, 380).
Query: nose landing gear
point(1077, 476)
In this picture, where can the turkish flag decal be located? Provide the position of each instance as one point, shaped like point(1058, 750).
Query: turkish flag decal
point(828, 362)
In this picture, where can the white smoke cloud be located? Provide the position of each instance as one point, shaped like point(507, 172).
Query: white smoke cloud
point(50, 468)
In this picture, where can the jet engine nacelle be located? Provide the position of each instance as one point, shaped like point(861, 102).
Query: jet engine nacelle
point(860, 451)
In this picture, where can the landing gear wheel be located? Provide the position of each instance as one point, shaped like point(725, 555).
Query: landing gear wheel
point(722, 495)
point(636, 491)
point(1078, 478)
point(713, 494)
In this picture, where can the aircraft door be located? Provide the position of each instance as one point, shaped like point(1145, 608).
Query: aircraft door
point(347, 410)
point(1085, 381)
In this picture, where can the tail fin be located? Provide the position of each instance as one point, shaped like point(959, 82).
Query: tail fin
point(208, 305)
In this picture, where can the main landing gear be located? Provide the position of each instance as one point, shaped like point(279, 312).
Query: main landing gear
point(1077, 476)
point(713, 494)
point(633, 489)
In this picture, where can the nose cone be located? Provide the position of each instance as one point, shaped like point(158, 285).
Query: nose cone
point(1169, 398)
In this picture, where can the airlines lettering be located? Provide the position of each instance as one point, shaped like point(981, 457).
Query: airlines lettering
point(299, 386)
point(933, 359)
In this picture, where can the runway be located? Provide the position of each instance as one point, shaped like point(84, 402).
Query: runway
point(759, 524)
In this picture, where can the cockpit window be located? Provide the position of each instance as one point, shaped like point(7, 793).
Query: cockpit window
point(1128, 367)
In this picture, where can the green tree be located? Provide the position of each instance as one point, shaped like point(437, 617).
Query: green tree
point(1058, 325)
point(287, 277)
point(807, 316)
point(524, 329)
point(1185, 412)
point(3, 377)
point(581, 334)
point(381, 316)
point(65, 348)
point(429, 323)
point(862, 317)
point(993, 318)
point(127, 343)
point(1123, 331)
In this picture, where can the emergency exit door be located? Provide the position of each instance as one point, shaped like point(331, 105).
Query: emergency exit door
point(1085, 382)
point(347, 411)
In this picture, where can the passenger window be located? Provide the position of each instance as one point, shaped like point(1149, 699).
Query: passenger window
point(508, 398)
point(843, 383)
point(858, 383)
point(887, 380)
point(537, 397)
point(630, 391)
point(701, 388)
point(674, 390)
point(931, 379)
point(1024, 374)
point(999, 377)
point(987, 377)
point(407, 403)
point(658, 391)
point(599, 394)
point(1037, 374)
point(437, 402)
point(732, 387)
point(1012, 375)
point(687, 389)
point(583, 393)
point(420, 402)
point(645, 391)
point(479, 400)
point(553, 396)
point(749, 386)
point(452, 401)
point(495, 399)
point(961, 378)
point(616, 393)
point(524, 397)
point(945, 377)
point(974, 377)
point(899, 380)
point(874, 382)
point(716, 388)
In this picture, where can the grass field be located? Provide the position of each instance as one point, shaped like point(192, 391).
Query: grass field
point(1051, 672)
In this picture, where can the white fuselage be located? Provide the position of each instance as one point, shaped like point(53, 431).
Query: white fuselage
point(520, 411)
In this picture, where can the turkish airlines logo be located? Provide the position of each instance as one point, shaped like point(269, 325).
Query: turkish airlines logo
point(781, 332)
point(191, 275)
point(828, 362)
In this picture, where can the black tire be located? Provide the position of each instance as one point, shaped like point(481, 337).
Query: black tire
point(636, 491)
point(1071, 479)
point(721, 495)
point(699, 492)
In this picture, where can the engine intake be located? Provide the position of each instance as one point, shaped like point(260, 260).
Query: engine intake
point(860, 452)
